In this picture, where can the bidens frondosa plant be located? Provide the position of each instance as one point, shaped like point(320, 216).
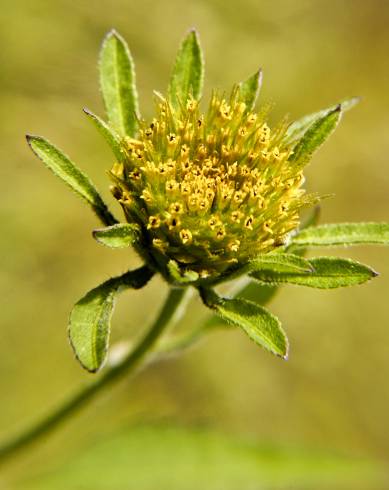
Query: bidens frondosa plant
point(210, 192)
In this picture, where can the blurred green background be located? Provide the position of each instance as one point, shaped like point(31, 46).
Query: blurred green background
point(333, 394)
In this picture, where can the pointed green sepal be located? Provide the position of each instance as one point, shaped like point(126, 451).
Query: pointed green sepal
point(121, 235)
point(67, 171)
point(259, 324)
point(188, 71)
point(179, 276)
point(249, 90)
point(298, 128)
point(117, 81)
point(110, 136)
point(343, 234)
point(328, 273)
point(89, 324)
point(315, 137)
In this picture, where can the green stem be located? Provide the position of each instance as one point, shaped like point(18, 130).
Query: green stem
point(169, 312)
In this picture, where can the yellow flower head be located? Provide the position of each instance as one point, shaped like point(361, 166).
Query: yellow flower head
point(210, 189)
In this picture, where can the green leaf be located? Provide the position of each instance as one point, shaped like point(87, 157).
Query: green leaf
point(89, 324)
point(179, 276)
point(66, 170)
point(298, 128)
point(204, 459)
point(279, 262)
point(117, 81)
point(261, 326)
point(261, 294)
point(343, 234)
point(249, 90)
point(328, 273)
point(110, 136)
point(121, 235)
point(314, 137)
point(188, 72)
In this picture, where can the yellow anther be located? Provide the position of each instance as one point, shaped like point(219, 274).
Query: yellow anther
point(146, 195)
point(211, 139)
point(252, 156)
point(162, 168)
point(201, 150)
point(251, 119)
point(248, 223)
point(154, 222)
point(176, 208)
point(283, 207)
point(220, 233)
point(267, 227)
point(171, 164)
point(191, 105)
point(186, 236)
point(160, 244)
point(148, 133)
point(234, 245)
point(135, 175)
point(209, 194)
point(185, 189)
point(265, 155)
point(186, 166)
point(203, 204)
point(172, 185)
point(184, 150)
point(213, 222)
point(225, 151)
point(173, 223)
point(247, 186)
point(225, 111)
point(239, 197)
point(244, 170)
point(236, 216)
point(242, 132)
point(192, 202)
point(172, 138)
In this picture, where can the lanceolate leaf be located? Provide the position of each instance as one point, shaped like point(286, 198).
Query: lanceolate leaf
point(117, 80)
point(315, 137)
point(89, 325)
point(66, 170)
point(297, 129)
point(280, 262)
point(328, 273)
point(108, 133)
point(261, 326)
point(121, 235)
point(343, 234)
point(188, 72)
point(249, 90)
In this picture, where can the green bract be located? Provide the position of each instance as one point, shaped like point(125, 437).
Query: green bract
point(210, 192)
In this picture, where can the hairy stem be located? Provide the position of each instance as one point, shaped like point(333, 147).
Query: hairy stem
point(169, 312)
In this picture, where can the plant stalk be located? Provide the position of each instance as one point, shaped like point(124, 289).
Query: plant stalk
point(169, 313)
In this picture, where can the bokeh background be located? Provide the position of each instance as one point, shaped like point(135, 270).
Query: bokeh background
point(333, 393)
